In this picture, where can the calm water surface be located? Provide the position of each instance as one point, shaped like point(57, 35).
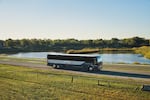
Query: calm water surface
point(107, 58)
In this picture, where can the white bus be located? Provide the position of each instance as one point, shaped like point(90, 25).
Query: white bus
point(75, 61)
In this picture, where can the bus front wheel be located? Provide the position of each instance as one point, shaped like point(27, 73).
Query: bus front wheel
point(90, 68)
point(58, 66)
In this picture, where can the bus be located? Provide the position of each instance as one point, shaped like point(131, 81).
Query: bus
point(75, 61)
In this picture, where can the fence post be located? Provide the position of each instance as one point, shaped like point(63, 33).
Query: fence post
point(37, 76)
point(108, 84)
point(15, 76)
point(98, 83)
point(72, 79)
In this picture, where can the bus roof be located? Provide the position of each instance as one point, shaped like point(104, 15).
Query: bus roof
point(82, 55)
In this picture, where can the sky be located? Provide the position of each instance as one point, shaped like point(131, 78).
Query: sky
point(79, 19)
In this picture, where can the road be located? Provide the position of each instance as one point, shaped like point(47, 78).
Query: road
point(105, 72)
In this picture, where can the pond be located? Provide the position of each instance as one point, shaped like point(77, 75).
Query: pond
point(128, 58)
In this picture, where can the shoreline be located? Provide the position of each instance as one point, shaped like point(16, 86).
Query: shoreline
point(102, 50)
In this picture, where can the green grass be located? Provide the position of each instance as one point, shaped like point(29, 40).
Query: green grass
point(129, 68)
point(32, 60)
point(21, 83)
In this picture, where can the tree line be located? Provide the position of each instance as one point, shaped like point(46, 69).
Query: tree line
point(25, 45)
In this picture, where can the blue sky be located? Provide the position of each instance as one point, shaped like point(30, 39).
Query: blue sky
point(80, 19)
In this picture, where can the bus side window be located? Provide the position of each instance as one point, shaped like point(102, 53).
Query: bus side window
point(95, 61)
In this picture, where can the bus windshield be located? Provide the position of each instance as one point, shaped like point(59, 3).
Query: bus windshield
point(99, 59)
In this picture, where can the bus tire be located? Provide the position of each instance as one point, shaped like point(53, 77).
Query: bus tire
point(57, 66)
point(99, 68)
point(54, 66)
point(90, 68)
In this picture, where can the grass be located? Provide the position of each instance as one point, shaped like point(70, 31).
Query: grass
point(32, 60)
point(103, 50)
point(83, 51)
point(129, 68)
point(21, 83)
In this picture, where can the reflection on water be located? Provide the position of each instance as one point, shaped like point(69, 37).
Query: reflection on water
point(107, 58)
point(124, 58)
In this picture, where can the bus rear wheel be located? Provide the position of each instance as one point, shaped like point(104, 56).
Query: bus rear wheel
point(54, 66)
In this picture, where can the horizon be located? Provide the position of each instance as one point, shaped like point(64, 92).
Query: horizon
point(74, 38)
point(78, 19)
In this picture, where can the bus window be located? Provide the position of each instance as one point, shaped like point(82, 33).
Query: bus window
point(99, 59)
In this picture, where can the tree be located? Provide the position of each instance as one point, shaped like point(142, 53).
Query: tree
point(114, 42)
point(1, 44)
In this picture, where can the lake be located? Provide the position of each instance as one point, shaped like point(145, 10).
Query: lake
point(128, 58)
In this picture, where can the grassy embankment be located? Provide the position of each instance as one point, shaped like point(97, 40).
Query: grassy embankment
point(4, 57)
point(144, 50)
point(22, 83)
point(95, 50)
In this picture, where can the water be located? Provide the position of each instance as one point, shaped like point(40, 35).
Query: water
point(107, 58)
point(124, 58)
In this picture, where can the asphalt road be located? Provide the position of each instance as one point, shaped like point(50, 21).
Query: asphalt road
point(104, 72)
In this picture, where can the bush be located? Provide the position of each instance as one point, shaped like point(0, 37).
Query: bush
point(144, 50)
point(136, 63)
point(82, 51)
point(147, 55)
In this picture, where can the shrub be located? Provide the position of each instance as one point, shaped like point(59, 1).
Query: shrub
point(144, 50)
point(136, 63)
